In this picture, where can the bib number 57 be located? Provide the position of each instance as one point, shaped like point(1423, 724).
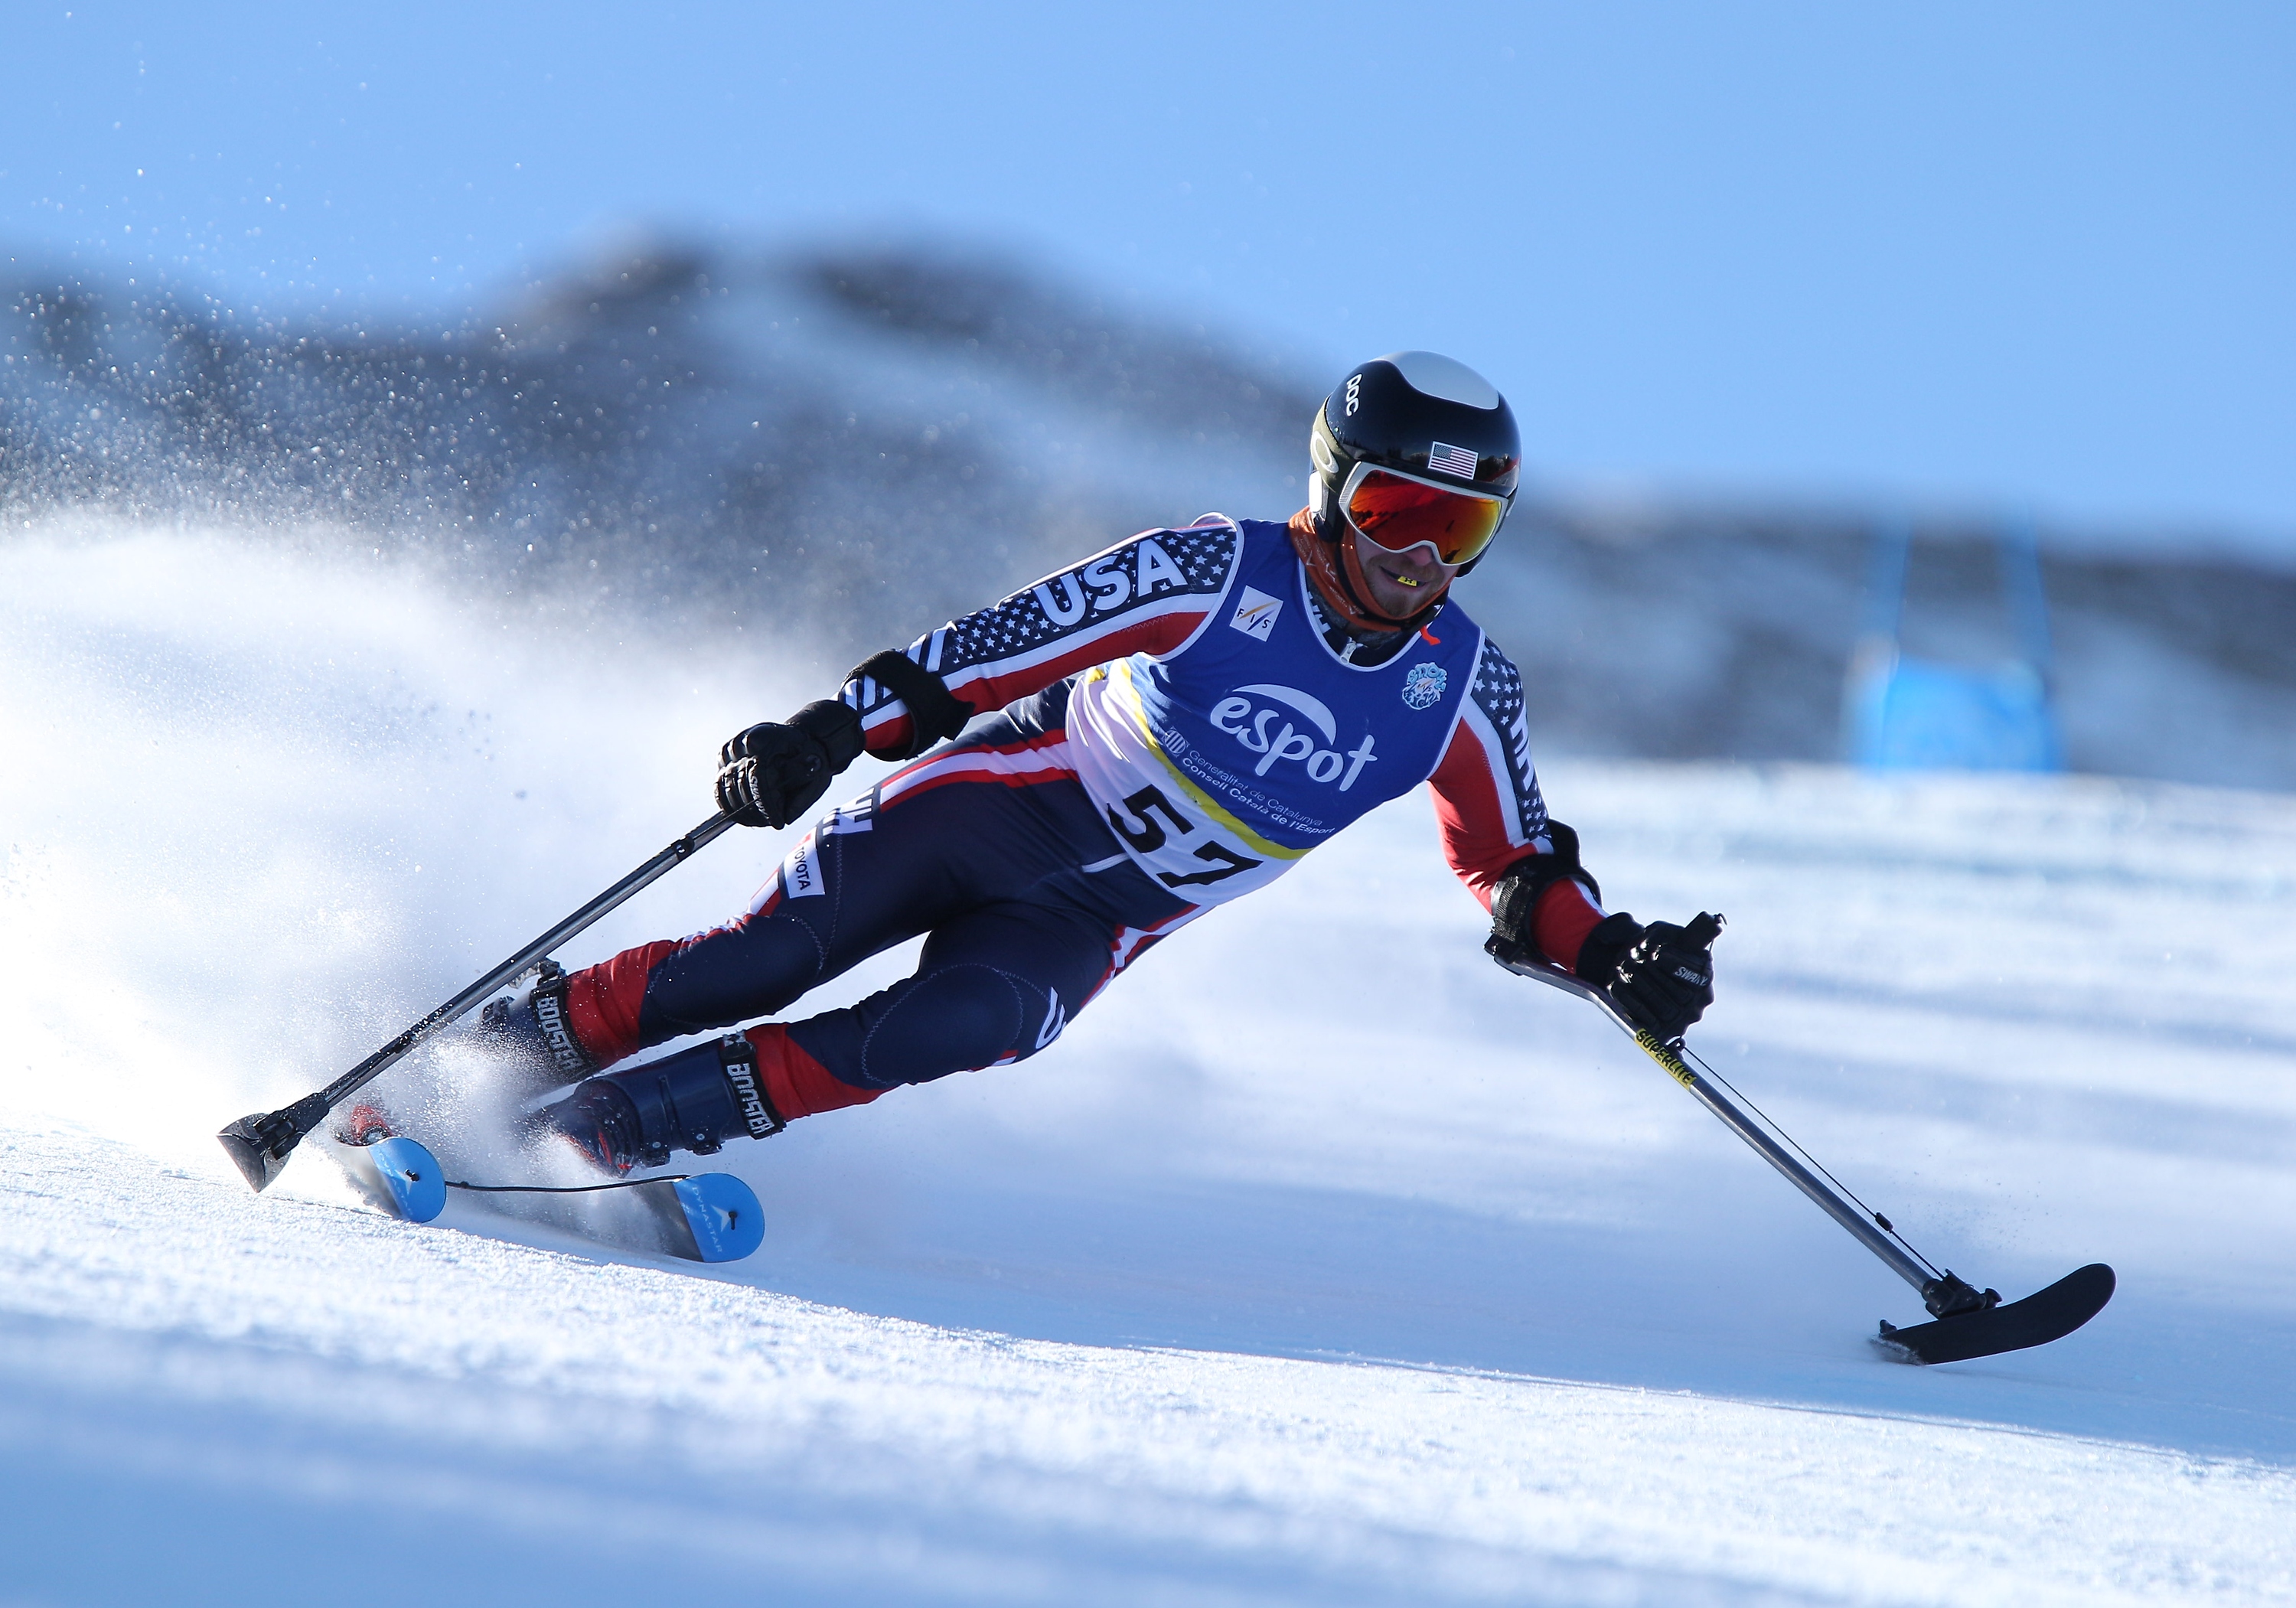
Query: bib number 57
point(1146, 836)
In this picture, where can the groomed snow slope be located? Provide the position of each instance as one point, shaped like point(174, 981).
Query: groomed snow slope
point(1321, 1261)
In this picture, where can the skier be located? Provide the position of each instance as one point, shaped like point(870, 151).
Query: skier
point(1158, 729)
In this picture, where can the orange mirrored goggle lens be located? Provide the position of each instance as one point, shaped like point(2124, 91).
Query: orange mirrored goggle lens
point(1401, 514)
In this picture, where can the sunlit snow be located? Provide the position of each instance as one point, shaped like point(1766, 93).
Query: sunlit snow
point(1321, 1261)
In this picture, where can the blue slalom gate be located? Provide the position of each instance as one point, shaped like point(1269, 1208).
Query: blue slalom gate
point(1901, 712)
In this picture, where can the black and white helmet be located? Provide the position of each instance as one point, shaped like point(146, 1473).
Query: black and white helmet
point(1415, 420)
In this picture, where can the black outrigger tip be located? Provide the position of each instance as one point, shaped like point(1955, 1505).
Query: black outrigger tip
point(258, 1145)
point(1987, 1330)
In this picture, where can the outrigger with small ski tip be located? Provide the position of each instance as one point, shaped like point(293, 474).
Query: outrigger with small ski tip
point(723, 1218)
point(710, 1217)
point(1965, 1322)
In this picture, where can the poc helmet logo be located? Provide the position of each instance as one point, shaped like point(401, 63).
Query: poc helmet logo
point(1278, 736)
point(1355, 389)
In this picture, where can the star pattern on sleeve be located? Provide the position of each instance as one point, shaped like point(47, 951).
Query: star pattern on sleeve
point(1067, 604)
point(1499, 691)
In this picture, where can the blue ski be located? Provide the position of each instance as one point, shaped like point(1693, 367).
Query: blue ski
point(707, 1216)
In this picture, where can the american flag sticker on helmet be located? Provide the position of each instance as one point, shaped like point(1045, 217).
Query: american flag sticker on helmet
point(1451, 460)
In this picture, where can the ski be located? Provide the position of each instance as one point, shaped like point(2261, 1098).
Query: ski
point(705, 1217)
point(2042, 1317)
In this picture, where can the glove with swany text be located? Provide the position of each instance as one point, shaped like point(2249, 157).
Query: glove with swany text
point(1661, 977)
point(772, 773)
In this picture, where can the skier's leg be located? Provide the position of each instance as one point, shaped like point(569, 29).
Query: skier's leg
point(994, 986)
point(984, 820)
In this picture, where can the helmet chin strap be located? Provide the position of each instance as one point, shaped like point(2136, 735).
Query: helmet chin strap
point(1333, 565)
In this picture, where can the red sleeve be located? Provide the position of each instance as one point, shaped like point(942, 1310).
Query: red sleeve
point(1491, 813)
point(1147, 595)
point(1566, 914)
point(1486, 798)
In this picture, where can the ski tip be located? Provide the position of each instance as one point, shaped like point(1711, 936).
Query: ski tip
point(724, 1213)
point(410, 1174)
point(2042, 1317)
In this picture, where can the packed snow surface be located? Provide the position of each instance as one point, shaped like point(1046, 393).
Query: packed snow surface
point(1320, 1261)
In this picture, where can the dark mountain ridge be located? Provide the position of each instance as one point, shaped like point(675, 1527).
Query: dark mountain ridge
point(844, 447)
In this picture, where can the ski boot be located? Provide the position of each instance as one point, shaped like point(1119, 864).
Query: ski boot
point(694, 1100)
point(530, 1039)
point(366, 1124)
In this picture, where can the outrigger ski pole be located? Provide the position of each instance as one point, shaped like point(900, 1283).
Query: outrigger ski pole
point(259, 1143)
point(1966, 1322)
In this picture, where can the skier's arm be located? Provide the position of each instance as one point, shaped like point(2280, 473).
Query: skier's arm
point(1145, 595)
point(1496, 832)
point(1544, 904)
point(1537, 891)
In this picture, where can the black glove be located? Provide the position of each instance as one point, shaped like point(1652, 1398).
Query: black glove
point(1661, 977)
point(772, 773)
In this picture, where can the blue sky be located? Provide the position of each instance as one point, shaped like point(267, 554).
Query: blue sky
point(1968, 256)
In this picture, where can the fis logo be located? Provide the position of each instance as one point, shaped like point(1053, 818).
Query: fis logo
point(1279, 737)
point(1255, 616)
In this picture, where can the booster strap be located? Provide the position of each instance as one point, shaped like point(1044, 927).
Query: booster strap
point(739, 1057)
point(554, 1025)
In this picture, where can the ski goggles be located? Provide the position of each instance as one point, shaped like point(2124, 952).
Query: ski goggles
point(1400, 511)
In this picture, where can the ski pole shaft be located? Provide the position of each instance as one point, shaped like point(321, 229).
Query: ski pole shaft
point(595, 911)
point(1867, 1234)
point(260, 1144)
